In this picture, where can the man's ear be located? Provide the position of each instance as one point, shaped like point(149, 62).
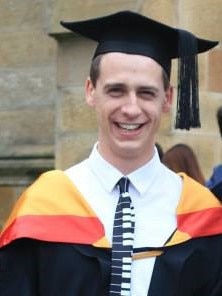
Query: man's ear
point(168, 101)
point(89, 93)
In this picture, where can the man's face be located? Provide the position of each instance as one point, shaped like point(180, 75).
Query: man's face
point(129, 99)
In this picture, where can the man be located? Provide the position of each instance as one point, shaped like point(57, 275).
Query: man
point(215, 181)
point(73, 232)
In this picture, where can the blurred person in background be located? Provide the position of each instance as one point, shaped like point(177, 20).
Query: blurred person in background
point(181, 158)
point(214, 183)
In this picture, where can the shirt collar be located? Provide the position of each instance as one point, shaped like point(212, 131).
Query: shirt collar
point(145, 176)
point(105, 172)
point(141, 179)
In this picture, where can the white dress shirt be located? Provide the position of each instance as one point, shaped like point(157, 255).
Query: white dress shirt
point(155, 193)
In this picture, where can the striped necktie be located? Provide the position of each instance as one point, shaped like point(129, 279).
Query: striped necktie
point(122, 247)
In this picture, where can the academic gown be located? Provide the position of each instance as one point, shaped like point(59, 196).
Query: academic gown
point(53, 245)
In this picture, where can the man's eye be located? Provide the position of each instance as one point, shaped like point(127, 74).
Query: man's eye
point(148, 95)
point(115, 92)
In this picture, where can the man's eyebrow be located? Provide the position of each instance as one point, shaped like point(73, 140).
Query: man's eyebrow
point(148, 88)
point(114, 84)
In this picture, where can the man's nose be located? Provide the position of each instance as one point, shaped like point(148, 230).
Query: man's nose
point(131, 105)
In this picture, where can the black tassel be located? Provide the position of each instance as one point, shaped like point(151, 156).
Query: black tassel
point(187, 113)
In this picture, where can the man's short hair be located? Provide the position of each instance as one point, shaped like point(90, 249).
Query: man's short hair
point(95, 71)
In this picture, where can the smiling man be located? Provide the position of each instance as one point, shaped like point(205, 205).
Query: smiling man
point(129, 98)
point(120, 222)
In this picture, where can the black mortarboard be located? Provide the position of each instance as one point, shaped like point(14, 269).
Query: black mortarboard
point(132, 33)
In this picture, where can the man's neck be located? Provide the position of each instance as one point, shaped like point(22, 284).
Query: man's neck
point(126, 164)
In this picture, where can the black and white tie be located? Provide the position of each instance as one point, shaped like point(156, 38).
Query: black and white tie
point(122, 245)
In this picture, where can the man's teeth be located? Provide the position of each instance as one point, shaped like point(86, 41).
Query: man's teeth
point(129, 126)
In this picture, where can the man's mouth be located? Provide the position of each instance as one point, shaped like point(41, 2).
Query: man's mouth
point(129, 126)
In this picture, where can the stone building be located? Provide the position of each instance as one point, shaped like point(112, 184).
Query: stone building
point(44, 122)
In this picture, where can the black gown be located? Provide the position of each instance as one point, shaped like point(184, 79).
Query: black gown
point(40, 255)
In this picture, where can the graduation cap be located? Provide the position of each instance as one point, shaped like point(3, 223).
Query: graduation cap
point(133, 33)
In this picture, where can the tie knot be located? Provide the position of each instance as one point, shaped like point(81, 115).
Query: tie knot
point(123, 185)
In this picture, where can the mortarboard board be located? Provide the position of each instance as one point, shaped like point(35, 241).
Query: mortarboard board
point(133, 33)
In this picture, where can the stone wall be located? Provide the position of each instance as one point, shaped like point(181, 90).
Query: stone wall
point(44, 121)
point(27, 97)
